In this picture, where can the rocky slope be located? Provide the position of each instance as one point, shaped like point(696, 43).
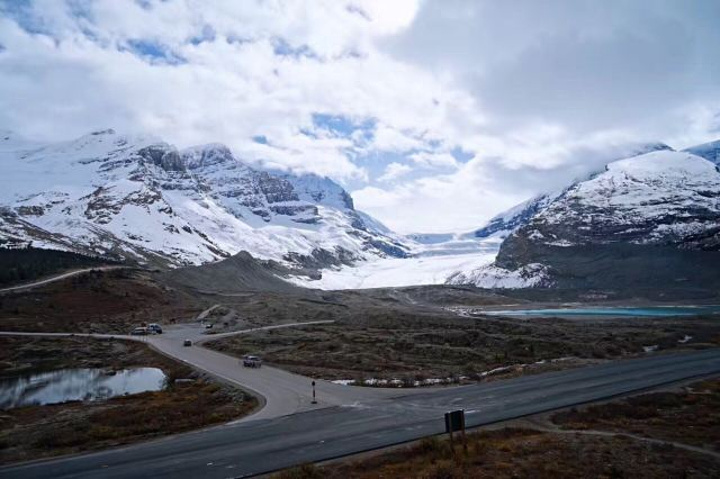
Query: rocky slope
point(141, 199)
point(652, 220)
point(506, 222)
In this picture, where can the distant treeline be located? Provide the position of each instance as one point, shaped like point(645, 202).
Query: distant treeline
point(20, 265)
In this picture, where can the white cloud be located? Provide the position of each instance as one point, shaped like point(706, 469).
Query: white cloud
point(567, 86)
point(390, 139)
point(434, 160)
point(394, 171)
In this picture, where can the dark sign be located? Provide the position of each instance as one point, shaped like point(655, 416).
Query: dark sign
point(455, 421)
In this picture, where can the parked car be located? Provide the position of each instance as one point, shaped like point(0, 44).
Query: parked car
point(154, 328)
point(209, 326)
point(187, 342)
point(139, 331)
point(251, 361)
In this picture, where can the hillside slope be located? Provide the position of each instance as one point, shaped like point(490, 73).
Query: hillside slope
point(651, 220)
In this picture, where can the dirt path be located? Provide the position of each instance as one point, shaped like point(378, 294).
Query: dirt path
point(58, 277)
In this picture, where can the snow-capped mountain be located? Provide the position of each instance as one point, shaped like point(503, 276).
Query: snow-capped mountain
point(709, 151)
point(508, 221)
point(141, 199)
point(653, 218)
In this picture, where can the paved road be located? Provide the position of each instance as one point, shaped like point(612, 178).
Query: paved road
point(254, 447)
point(281, 392)
point(59, 277)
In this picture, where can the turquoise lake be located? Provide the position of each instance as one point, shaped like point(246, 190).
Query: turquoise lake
point(653, 311)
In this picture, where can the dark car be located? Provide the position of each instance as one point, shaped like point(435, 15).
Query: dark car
point(251, 361)
point(154, 328)
point(187, 342)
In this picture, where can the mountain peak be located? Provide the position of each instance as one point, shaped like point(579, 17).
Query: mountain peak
point(710, 151)
point(108, 131)
point(142, 199)
point(207, 155)
point(319, 189)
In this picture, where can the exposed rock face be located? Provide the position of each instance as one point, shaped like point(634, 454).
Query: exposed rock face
point(649, 220)
point(141, 199)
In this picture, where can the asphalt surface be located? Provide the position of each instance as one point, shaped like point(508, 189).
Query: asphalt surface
point(280, 392)
point(259, 446)
point(283, 392)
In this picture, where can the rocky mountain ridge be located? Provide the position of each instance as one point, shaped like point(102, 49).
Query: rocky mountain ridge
point(648, 219)
point(142, 200)
point(506, 222)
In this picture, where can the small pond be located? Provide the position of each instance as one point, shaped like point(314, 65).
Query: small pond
point(652, 311)
point(77, 385)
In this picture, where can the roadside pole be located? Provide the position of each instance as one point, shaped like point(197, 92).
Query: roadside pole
point(455, 421)
point(314, 401)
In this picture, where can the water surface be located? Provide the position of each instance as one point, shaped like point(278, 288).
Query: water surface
point(653, 311)
point(77, 385)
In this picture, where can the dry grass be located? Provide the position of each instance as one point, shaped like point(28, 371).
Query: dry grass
point(398, 345)
point(691, 416)
point(95, 302)
point(40, 431)
point(518, 453)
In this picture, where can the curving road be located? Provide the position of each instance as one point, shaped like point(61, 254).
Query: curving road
point(280, 392)
point(283, 392)
point(59, 277)
point(260, 446)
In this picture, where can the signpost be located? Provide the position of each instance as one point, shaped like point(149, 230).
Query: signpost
point(455, 421)
point(314, 401)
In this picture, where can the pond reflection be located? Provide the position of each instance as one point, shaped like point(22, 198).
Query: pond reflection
point(77, 385)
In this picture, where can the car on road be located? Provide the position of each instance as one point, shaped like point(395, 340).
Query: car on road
point(187, 342)
point(250, 361)
point(139, 331)
point(209, 326)
point(154, 328)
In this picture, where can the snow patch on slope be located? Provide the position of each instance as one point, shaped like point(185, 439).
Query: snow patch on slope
point(428, 264)
point(137, 197)
point(491, 276)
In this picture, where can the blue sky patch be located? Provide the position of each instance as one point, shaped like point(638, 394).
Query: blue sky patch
point(154, 51)
point(283, 48)
point(206, 35)
point(461, 155)
point(144, 4)
point(343, 126)
point(21, 11)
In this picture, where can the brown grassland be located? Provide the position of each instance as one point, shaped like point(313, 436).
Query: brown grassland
point(33, 432)
point(604, 450)
point(400, 345)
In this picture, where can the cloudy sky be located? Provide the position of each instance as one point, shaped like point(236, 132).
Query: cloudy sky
point(436, 115)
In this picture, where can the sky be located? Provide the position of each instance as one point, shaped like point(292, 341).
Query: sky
point(435, 115)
